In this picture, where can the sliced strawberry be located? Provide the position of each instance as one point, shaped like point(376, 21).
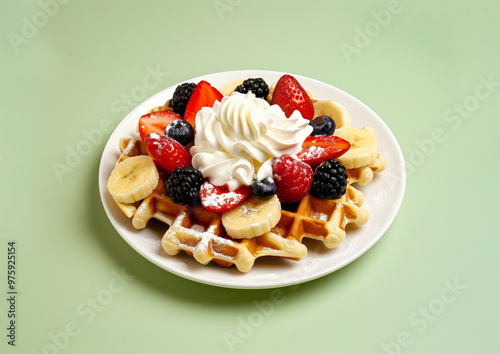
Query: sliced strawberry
point(219, 199)
point(156, 122)
point(291, 96)
point(293, 178)
point(204, 95)
point(319, 148)
point(166, 152)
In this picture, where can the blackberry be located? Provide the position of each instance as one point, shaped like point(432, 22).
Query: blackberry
point(258, 87)
point(181, 131)
point(330, 180)
point(181, 97)
point(322, 125)
point(183, 186)
point(264, 189)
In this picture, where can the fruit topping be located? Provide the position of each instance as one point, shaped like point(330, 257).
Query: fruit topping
point(156, 122)
point(252, 218)
point(291, 96)
point(293, 178)
point(257, 86)
point(264, 189)
point(319, 148)
point(133, 179)
point(330, 180)
point(204, 95)
point(181, 97)
point(220, 199)
point(166, 152)
point(181, 131)
point(363, 150)
point(183, 186)
point(322, 125)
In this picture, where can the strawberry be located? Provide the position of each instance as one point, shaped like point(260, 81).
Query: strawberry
point(204, 95)
point(319, 148)
point(219, 199)
point(293, 178)
point(156, 122)
point(291, 96)
point(166, 152)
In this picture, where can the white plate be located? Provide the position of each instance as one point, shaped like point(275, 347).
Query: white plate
point(383, 197)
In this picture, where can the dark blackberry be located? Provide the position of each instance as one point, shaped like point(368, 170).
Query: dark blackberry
point(258, 87)
point(181, 131)
point(183, 186)
point(264, 189)
point(181, 97)
point(322, 125)
point(330, 180)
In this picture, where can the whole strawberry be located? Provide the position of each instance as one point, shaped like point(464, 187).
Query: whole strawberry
point(293, 178)
point(291, 96)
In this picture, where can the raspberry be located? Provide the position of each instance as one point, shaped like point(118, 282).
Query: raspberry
point(183, 186)
point(293, 178)
point(330, 180)
point(258, 87)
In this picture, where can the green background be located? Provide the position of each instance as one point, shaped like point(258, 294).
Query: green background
point(430, 285)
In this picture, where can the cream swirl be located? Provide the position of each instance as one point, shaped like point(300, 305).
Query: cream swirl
point(238, 137)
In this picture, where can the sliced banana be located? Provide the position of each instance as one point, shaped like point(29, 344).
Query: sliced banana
point(133, 179)
point(230, 86)
point(333, 110)
point(363, 150)
point(252, 218)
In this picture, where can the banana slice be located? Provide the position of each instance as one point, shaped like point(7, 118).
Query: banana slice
point(133, 179)
point(363, 149)
point(333, 110)
point(230, 86)
point(252, 218)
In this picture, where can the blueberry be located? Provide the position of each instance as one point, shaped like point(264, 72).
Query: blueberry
point(181, 131)
point(264, 189)
point(322, 125)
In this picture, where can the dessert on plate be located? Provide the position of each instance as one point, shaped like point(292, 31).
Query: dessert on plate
point(245, 171)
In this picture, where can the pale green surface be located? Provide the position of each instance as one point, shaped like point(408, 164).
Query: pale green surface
point(66, 78)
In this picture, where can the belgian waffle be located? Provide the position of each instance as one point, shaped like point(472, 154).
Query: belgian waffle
point(200, 233)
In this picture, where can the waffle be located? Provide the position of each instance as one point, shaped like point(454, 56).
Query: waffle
point(200, 233)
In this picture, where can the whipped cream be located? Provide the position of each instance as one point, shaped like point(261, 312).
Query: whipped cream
point(237, 139)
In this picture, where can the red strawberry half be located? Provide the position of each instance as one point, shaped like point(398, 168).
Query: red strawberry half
point(156, 122)
point(319, 148)
point(219, 199)
point(204, 95)
point(291, 96)
point(166, 152)
point(293, 178)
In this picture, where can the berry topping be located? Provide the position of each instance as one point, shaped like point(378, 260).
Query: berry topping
point(293, 178)
point(204, 95)
point(322, 125)
point(291, 96)
point(264, 189)
point(156, 122)
point(166, 152)
point(257, 86)
point(181, 97)
point(183, 186)
point(330, 180)
point(319, 148)
point(181, 131)
point(220, 199)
